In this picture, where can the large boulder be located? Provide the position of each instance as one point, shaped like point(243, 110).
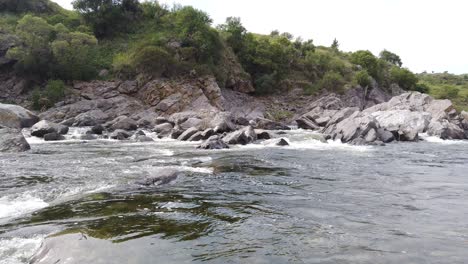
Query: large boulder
point(45, 127)
point(404, 123)
point(90, 118)
point(445, 130)
point(242, 136)
point(164, 129)
point(356, 125)
point(191, 122)
point(124, 123)
point(14, 116)
point(12, 140)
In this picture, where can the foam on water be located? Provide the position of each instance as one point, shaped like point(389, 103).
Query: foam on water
point(17, 206)
point(433, 139)
point(18, 250)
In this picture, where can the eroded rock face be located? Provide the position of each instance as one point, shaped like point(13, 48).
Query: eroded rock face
point(12, 140)
point(14, 116)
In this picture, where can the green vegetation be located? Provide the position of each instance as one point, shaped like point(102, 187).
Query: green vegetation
point(53, 93)
point(447, 86)
point(150, 40)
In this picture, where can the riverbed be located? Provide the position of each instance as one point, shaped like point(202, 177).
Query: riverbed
point(311, 202)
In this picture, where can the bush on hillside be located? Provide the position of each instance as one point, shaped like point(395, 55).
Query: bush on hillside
point(404, 78)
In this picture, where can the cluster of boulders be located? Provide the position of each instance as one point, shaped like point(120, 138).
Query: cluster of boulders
point(403, 118)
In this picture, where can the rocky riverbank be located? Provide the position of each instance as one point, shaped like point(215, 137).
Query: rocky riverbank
point(198, 110)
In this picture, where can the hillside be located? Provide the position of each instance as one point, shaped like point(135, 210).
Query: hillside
point(41, 43)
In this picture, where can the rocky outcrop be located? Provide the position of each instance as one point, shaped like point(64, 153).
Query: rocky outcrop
point(12, 140)
point(14, 116)
point(44, 127)
point(402, 118)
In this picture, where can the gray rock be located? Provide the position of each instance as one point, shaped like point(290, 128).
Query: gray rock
point(170, 101)
point(12, 140)
point(282, 142)
point(243, 136)
point(54, 136)
point(342, 115)
point(405, 123)
point(306, 123)
point(262, 134)
point(223, 122)
point(124, 123)
point(161, 177)
point(371, 136)
point(385, 136)
point(120, 134)
point(97, 129)
point(176, 132)
point(445, 130)
point(162, 120)
point(191, 122)
point(322, 121)
point(213, 143)
point(14, 116)
point(187, 134)
point(266, 124)
point(196, 137)
point(163, 129)
point(45, 127)
point(207, 133)
point(90, 118)
point(128, 87)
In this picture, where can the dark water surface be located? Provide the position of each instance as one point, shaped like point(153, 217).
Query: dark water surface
point(76, 202)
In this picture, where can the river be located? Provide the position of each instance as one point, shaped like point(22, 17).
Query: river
point(311, 202)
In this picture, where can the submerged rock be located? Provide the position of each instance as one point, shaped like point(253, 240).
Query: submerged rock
point(54, 136)
point(161, 177)
point(12, 140)
point(282, 142)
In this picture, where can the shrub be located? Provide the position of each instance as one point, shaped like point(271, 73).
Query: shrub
point(266, 84)
point(369, 62)
point(363, 78)
point(391, 58)
point(404, 78)
point(122, 65)
point(53, 93)
point(152, 60)
point(448, 92)
point(422, 88)
point(332, 81)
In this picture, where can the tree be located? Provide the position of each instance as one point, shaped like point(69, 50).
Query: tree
point(107, 17)
point(363, 78)
point(335, 45)
point(235, 33)
point(368, 61)
point(33, 55)
point(74, 56)
point(391, 58)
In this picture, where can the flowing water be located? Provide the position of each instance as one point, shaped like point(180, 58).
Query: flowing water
point(311, 202)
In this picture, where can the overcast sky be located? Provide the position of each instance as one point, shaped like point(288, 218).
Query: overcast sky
point(429, 35)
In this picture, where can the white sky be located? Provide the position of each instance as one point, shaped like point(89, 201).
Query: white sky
point(428, 35)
